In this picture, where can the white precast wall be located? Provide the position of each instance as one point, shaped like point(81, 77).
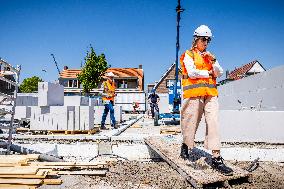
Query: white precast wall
point(50, 94)
point(125, 99)
point(76, 101)
point(248, 126)
point(70, 118)
point(263, 91)
point(86, 117)
point(27, 99)
point(22, 112)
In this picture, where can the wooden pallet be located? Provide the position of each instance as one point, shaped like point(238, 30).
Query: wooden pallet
point(198, 176)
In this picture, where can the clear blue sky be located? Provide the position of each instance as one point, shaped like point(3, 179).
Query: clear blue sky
point(133, 32)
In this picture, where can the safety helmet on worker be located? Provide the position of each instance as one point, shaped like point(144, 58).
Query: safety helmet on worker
point(202, 31)
point(109, 74)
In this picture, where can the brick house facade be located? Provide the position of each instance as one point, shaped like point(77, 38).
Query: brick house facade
point(166, 80)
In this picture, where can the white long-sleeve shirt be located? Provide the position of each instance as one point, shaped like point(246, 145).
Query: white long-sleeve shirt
point(194, 73)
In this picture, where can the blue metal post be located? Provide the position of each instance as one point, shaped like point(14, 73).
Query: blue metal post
point(177, 99)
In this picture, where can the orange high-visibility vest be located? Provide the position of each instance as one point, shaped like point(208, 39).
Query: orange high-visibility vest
point(199, 86)
point(109, 88)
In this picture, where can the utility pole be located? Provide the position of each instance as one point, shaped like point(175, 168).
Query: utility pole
point(55, 63)
point(177, 99)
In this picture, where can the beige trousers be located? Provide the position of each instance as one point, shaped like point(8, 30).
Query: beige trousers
point(191, 113)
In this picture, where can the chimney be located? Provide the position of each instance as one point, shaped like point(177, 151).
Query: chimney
point(227, 74)
point(140, 66)
point(65, 68)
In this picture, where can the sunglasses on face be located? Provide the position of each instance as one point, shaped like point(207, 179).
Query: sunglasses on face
point(203, 39)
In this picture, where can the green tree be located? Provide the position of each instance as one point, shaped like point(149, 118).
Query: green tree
point(93, 70)
point(30, 85)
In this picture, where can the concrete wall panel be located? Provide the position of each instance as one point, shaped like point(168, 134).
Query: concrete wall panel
point(264, 90)
point(248, 126)
point(50, 94)
point(76, 101)
point(27, 99)
point(22, 112)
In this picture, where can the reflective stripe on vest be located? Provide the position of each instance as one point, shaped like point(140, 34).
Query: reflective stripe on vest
point(199, 85)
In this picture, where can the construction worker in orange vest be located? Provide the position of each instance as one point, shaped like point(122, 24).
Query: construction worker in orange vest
point(108, 95)
point(200, 96)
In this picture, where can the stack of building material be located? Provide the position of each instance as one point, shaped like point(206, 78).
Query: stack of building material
point(23, 171)
point(59, 113)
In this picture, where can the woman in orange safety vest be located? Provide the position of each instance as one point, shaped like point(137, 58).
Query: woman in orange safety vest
point(200, 96)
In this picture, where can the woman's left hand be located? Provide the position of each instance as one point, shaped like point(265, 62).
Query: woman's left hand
point(210, 56)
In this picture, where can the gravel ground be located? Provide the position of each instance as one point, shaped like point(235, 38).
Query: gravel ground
point(154, 175)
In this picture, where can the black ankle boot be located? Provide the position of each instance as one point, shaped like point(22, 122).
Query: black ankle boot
point(218, 165)
point(103, 127)
point(184, 151)
point(114, 126)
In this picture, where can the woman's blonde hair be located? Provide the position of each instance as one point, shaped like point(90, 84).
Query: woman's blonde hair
point(194, 41)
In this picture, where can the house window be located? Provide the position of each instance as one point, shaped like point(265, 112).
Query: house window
point(122, 84)
point(70, 83)
point(75, 84)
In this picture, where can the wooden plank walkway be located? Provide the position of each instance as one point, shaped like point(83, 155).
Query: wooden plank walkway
point(197, 174)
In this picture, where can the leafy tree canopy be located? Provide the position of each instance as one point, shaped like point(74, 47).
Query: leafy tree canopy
point(93, 70)
point(30, 85)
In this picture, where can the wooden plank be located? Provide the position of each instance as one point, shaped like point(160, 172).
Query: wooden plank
point(52, 181)
point(169, 149)
point(93, 172)
point(74, 132)
point(13, 164)
point(18, 170)
point(67, 163)
point(67, 167)
point(39, 175)
point(136, 126)
point(21, 181)
point(170, 130)
point(14, 186)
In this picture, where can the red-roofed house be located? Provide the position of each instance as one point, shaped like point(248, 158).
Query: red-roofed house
point(246, 70)
point(251, 68)
point(126, 79)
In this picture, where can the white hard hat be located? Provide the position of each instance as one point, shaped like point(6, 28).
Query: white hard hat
point(202, 31)
point(110, 74)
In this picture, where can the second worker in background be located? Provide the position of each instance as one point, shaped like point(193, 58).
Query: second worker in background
point(108, 95)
